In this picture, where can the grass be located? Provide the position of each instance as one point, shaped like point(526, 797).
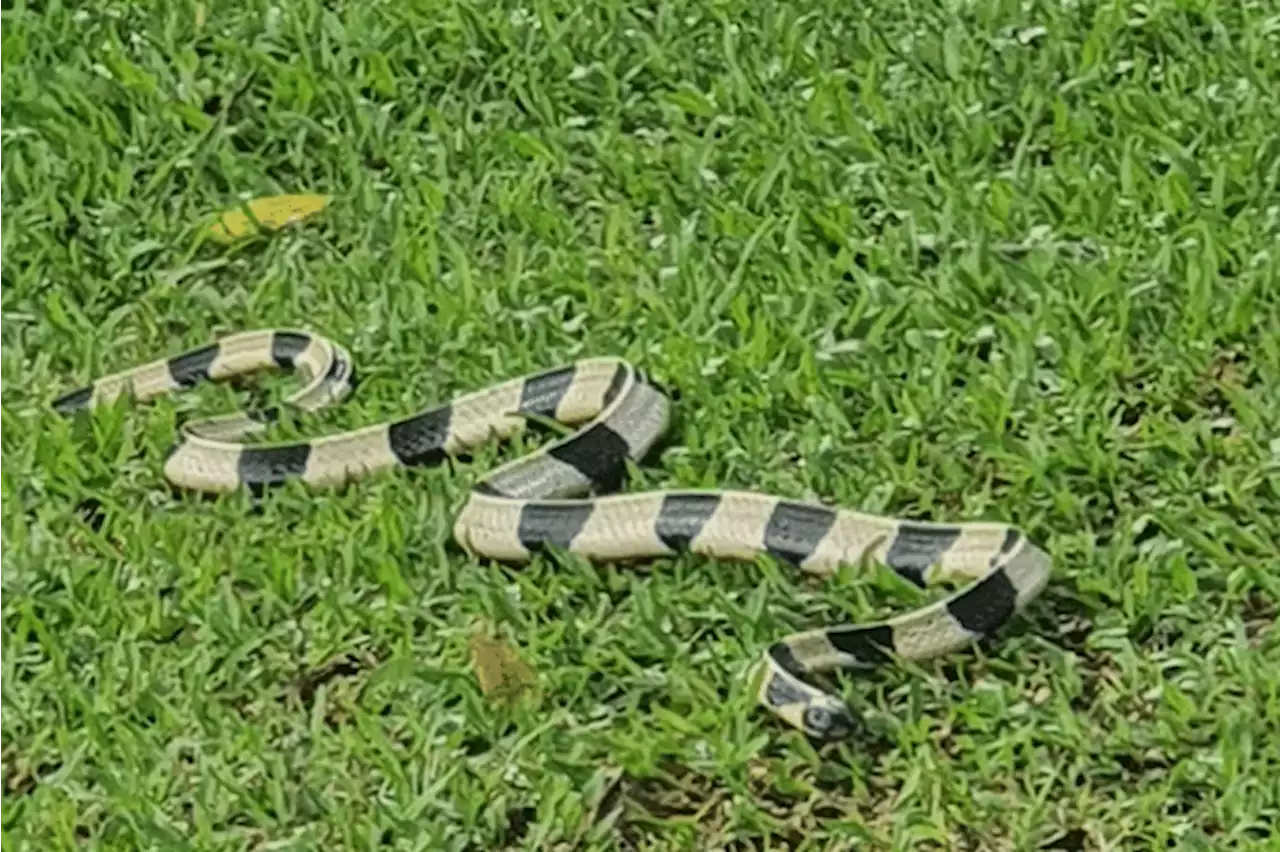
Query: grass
point(959, 261)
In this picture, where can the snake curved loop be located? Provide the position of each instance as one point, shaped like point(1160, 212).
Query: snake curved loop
point(561, 495)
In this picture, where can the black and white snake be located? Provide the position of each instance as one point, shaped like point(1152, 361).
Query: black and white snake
point(546, 498)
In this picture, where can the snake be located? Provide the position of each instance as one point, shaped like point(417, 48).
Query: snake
point(568, 495)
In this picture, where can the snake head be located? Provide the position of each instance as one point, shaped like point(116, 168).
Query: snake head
point(820, 716)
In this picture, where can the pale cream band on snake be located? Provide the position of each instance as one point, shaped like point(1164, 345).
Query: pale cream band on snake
point(562, 495)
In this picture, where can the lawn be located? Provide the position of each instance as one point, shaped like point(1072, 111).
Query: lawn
point(1009, 261)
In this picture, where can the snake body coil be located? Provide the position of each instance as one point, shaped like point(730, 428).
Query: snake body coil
point(546, 498)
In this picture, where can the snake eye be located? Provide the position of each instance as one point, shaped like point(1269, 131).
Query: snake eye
point(817, 720)
point(828, 724)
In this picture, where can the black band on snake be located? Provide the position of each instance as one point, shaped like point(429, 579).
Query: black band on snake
point(561, 495)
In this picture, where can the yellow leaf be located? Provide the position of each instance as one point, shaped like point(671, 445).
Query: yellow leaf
point(499, 669)
point(271, 213)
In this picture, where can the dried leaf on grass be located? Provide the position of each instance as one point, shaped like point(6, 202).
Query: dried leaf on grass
point(271, 213)
point(503, 675)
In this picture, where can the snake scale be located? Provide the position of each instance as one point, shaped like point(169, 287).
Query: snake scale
point(562, 495)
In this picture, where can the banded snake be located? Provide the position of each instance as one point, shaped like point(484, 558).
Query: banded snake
point(563, 494)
